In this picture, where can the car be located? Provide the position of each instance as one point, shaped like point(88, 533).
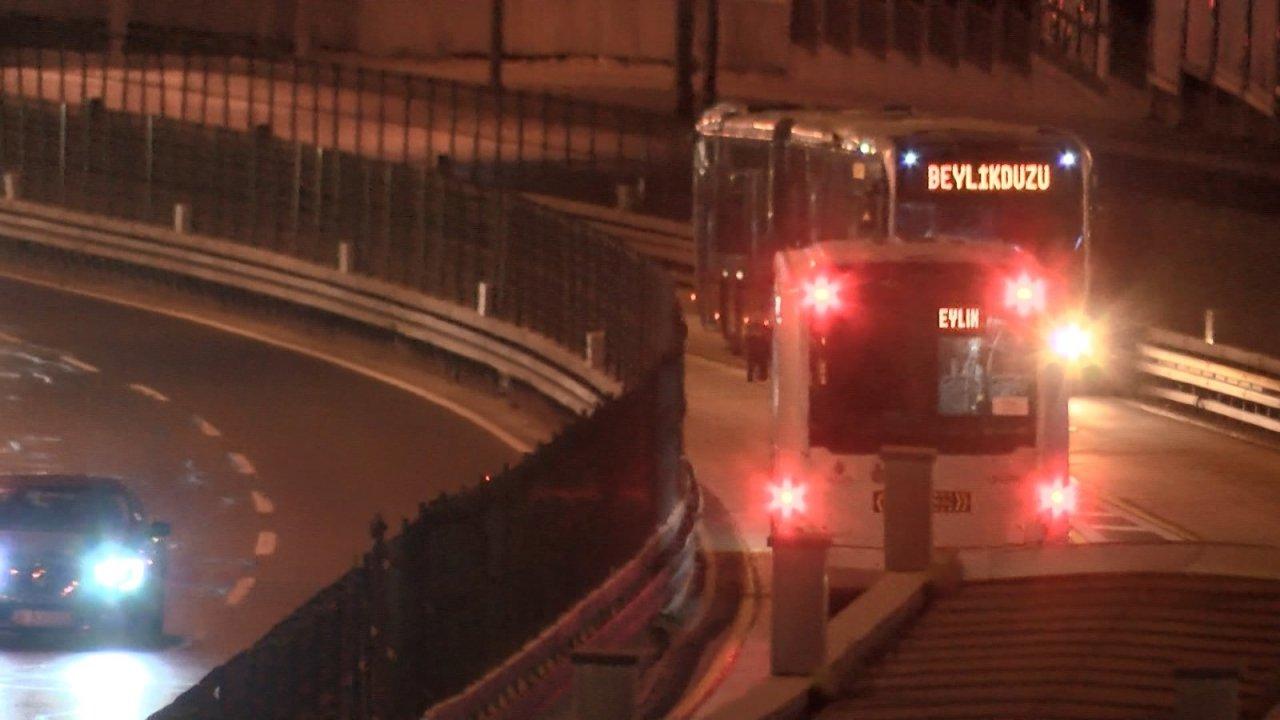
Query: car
point(77, 553)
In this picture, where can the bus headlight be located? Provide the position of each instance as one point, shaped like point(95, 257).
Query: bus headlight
point(1071, 342)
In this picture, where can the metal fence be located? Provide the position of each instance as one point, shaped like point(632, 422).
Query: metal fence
point(508, 138)
point(467, 581)
point(984, 33)
point(400, 222)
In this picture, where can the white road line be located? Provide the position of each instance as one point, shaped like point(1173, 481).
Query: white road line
point(240, 590)
point(452, 406)
point(266, 544)
point(79, 364)
point(1141, 522)
point(149, 392)
point(241, 463)
point(206, 427)
point(261, 503)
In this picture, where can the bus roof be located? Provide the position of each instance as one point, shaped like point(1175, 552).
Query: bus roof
point(849, 128)
point(838, 253)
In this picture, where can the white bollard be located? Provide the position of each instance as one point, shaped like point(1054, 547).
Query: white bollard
point(908, 508)
point(595, 349)
point(11, 186)
point(605, 684)
point(182, 218)
point(344, 257)
point(1206, 693)
point(482, 298)
point(1208, 327)
point(798, 639)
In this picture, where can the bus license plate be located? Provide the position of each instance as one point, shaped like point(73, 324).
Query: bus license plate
point(41, 618)
point(944, 501)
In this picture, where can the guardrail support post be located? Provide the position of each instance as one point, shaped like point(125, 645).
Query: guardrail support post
point(1208, 327)
point(344, 257)
point(908, 508)
point(595, 348)
point(798, 641)
point(482, 298)
point(605, 684)
point(182, 218)
point(11, 186)
point(1206, 693)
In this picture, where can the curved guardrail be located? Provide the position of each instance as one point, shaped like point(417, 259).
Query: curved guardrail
point(510, 350)
point(1228, 381)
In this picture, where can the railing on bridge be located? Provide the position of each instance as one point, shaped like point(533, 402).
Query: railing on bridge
point(473, 576)
point(983, 33)
point(507, 138)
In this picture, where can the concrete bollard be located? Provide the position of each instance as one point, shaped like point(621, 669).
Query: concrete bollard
point(798, 639)
point(595, 349)
point(11, 185)
point(482, 298)
point(344, 257)
point(1206, 693)
point(908, 507)
point(182, 218)
point(605, 684)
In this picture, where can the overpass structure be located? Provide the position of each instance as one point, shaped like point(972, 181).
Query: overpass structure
point(462, 271)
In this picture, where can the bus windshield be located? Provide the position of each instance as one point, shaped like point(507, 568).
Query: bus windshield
point(886, 373)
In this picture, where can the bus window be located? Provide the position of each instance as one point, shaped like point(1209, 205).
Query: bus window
point(740, 210)
point(984, 375)
point(844, 192)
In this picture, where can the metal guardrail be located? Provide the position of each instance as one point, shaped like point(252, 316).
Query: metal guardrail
point(480, 274)
point(1224, 380)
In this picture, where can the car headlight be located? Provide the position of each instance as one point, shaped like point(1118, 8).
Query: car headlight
point(117, 570)
point(1071, 342)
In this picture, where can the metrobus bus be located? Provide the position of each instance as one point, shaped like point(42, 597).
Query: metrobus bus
point(776, 179)
point(935, 345)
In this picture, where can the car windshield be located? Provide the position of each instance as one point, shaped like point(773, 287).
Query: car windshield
point(62, 509)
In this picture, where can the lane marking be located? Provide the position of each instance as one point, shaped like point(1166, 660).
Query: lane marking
point(207, 428)
point(241, 463)
point(266, 543)
point(240, 591)
point(149, 392)
point(78, 364)
point(261, 503)
point(452, 406)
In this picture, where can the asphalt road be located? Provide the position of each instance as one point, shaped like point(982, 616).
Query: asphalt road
point(269, 465)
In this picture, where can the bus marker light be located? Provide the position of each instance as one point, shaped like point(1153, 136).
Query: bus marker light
point(822, 295)
point(1025, 294)
point(1059, 498)
point(787, 499)
point(1067, 159)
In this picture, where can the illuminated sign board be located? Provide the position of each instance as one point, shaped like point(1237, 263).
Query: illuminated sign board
point(989, 177)
point(959, 318)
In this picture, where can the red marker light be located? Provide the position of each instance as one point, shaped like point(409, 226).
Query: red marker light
point(787, 499)
point(1059, 498)
point(822, 294)
point(1025, 294)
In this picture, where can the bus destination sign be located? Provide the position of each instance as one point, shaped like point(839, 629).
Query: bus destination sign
point(989, 177)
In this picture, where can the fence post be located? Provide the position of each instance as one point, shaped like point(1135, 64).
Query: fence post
point(182, 218)
point(908, 507)
point(149, 159)
point(344, 257)
point(12, 184)
point(482, 298)
point(798, 638)
point(595, 349)
point(1208, 327)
